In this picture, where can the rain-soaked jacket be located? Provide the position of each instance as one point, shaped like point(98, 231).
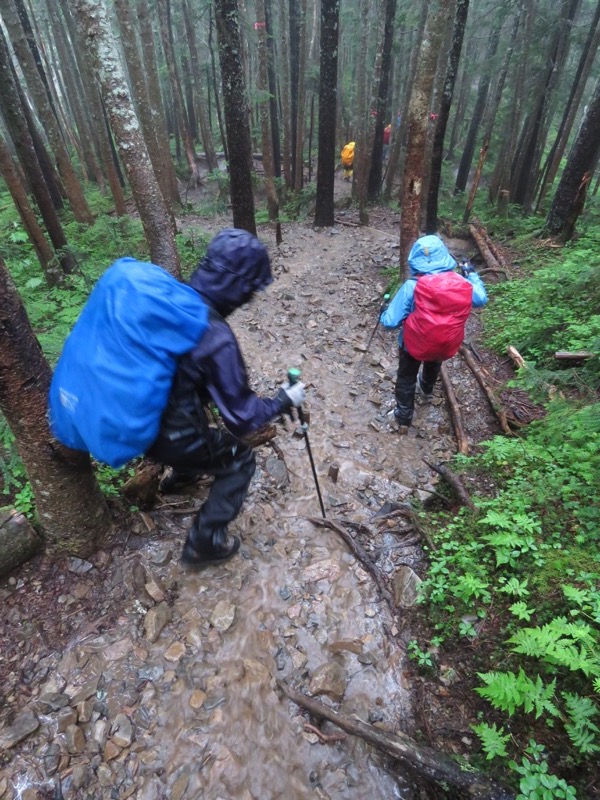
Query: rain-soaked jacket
point(427, 256)
point(236, 266)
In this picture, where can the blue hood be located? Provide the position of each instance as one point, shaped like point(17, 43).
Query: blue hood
point(429, 255)
point(236, 265)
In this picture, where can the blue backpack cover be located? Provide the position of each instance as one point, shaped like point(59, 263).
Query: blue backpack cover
point(113, 379)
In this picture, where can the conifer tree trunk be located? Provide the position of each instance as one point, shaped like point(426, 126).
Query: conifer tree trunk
point(381, 120)
point(437, 151)
point(328, 76)
point(267, 138)
point(19, 195)
point(285, 91)
point(71, 510)
point(300, 98)
point(97, 127)
point(38, 89)
point(418, 116)
point(480, 103)
point(584, 68)
point(166, 169)
point(216, 88)
point(571, 192)
point(273, 110)
point(154, 141)
point(153, 212)
point(207, 140)
point(239, 143)
point(164, 15)
point(360, 165)
point(12, 110)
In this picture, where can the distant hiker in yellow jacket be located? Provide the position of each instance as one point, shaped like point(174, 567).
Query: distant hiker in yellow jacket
point(347, 155)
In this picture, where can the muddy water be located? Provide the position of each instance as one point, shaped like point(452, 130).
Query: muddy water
point(299, 597)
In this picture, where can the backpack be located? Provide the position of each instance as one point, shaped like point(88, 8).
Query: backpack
point(348, 155)
point(114, 376)
point(435, 329)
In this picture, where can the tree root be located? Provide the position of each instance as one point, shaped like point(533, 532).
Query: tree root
point(461, 439)
point(494, 402)
point(454, 481)
point(424, 761)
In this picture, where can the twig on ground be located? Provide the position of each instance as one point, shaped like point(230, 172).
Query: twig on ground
point(325, 738)
point(461, 439)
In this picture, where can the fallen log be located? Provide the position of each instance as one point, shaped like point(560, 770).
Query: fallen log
point(494, 402)
point(454, 481)
point(18, 540)
point(261, 436)
point(424, 761)
point(569, 355)
point(361, 555)
point(461, 439)
point(489, 258)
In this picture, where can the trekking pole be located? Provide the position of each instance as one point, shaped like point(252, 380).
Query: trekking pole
point(294, 377)
point(386, 297)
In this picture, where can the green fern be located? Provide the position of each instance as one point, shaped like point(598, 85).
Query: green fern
point(493, 741)
point(508, 692)
point(573, 645)
point(582, 731)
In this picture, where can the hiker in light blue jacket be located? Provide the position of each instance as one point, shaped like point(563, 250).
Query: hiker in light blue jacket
point(438, 326)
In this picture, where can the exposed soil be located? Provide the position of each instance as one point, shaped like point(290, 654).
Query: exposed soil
point(57, 617)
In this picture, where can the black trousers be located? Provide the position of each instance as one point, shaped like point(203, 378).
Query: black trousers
point(406, 381)
point(230, 461)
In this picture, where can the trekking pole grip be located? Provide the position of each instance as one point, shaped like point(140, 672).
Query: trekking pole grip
point(293, 376)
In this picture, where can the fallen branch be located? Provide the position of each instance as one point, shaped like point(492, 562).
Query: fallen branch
point(361, 555)
point(489, 258)
point(461, 439)
point(261, 436)
point(494, 270)
point(568, 355)
point(325, 738)
point(516, 357)
point(454, 481)
point(496, 407)
point(495, 251)
point(425, 761)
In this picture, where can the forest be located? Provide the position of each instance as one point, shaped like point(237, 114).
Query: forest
point(414, 612)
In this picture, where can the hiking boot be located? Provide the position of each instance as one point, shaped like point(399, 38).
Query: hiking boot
point(172, 482)
point(421, 392)
point(398, 425)
point(221, 547)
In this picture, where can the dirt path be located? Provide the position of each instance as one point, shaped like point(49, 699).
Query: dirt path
point(150, 683)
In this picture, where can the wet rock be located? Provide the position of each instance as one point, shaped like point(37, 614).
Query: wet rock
point(328, 679)
point(405, 587)
point(197, 699)
point(64, 718)
point(53, 701)
point(298, 658)
point(319, 570)
point(175, 652)
point(350, 645)
point(155, 589)
point(118, 650)
point(223, 616)
point(79, 566)
point(24, 725)
point(75, 739)
point(111, 751)
point(179, 787)
point(278, 471)
point(122, 731)
point(155, 620)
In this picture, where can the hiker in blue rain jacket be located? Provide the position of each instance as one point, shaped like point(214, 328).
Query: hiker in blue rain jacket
point(235, 267)
point(428, 256)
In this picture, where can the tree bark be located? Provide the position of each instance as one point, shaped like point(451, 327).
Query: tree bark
point(71, 509)
point(330, 18)
point(571, 192)
point(11, 106)
point(300, 98)
point(267, 139)
point(418, 116)
point(18, 540)
point(27, 214)
point(437, 151)
point(39, 93)
point(239, 144)
point(146, 191)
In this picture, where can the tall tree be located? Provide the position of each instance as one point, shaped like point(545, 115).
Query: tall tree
point(437, 151)
point(267, 138)
point(38, 91)
point(239, 143)
point(93, 18)
point(418, 116)
point(13, 112)
point(326, 159)
point(571, 192)
point(71, 510)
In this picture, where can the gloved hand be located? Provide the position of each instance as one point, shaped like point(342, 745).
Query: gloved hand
point(293, 395)
point(466, 269)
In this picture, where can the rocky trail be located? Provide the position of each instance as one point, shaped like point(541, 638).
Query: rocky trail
point(126, 677)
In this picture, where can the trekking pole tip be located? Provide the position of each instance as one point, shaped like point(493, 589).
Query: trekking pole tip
point(294, 375)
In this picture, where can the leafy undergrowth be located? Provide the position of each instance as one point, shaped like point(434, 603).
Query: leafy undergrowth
point(513, 587)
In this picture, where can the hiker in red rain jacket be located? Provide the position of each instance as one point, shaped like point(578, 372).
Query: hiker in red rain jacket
point(434, 304)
